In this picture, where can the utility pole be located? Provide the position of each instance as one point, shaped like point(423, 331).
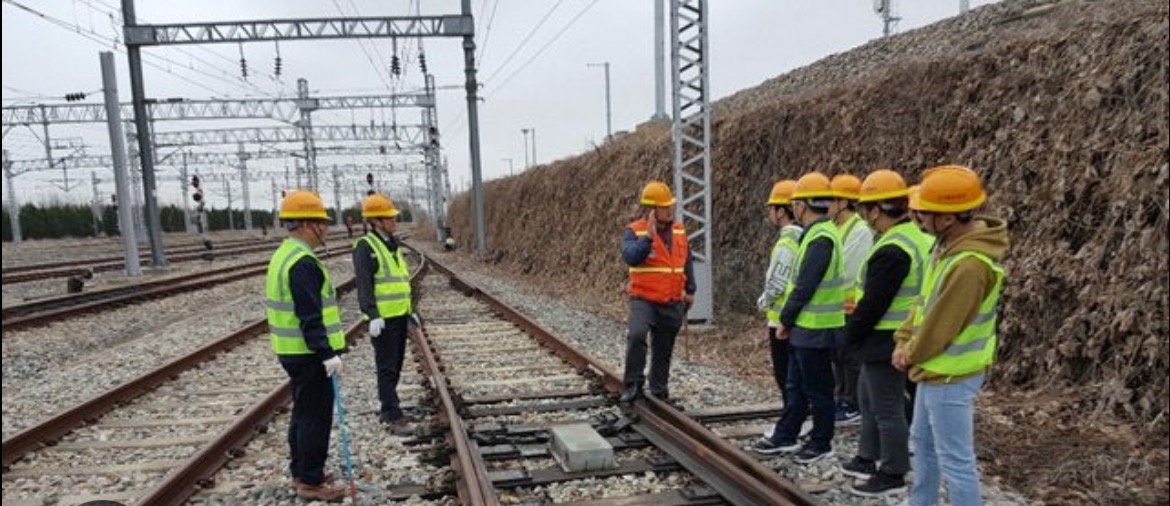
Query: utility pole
point(659, 62)
point(49, 148)
point(307, 106)
point(275, 202)
point(93, 204)
point(185, 185)
point(533, 145)
point(13, 205)
point(118, 152)
point(524, 132)
point(153, 220)
point(511, 169)
point(608, 109)
point(243, 156)
point(964, 6)
point(337, 193)
point(227, 188)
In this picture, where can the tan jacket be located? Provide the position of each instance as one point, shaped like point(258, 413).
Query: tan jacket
point(958, 298)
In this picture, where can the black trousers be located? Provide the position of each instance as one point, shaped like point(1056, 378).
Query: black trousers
point(779, 349)
point(389, 352)
point(881, 391)
point(312, 419)
point(845, 372)
point(661, 322)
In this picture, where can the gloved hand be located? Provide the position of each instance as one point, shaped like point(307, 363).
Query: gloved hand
point(332, 366)
point(415, 320)
point(376, 326)
point(762, 303)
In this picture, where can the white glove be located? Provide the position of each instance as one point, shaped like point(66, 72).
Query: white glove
point(332, 366)
point(415, 320)
point(762, 303)
point(376, 326)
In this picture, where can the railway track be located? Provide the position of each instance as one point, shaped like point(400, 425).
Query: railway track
point(52, 309)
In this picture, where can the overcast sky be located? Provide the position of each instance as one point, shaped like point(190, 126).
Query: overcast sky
point(532, 59)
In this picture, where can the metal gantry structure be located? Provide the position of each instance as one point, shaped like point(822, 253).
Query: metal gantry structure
point(691, 131)
point(137, 36)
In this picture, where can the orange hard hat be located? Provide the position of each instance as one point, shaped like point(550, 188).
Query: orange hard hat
point(378, 206)
point(781, 193)
point(950, 189)
point(912, 194)
point(813, 185)
point(657, 194)
point(882, 184)
point(302, 205)
point(845, 186)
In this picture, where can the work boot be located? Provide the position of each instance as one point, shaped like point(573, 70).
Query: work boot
point(321, 493)
point(631, 394)
point(398, 426)
point(329, 477)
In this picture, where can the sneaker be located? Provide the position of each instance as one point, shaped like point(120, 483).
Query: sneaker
point(859, 468)
point(847, 415)
point(879, 485)
point(805, 428)
point(767, 447)
point(320, 493)
point(808, 454)
point(771, 431)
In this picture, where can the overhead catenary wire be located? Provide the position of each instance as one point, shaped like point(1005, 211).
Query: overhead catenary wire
point(544, 47)
point(525, 41)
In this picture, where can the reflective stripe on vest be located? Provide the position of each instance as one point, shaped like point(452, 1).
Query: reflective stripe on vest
point(284, 328)
point(789, 240)
point(391, 280)
point(661, 278)
point(825, 310)
point(916, 244)
point(974, 348)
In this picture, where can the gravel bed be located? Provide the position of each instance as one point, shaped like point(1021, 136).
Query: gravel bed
point(49, 368)
point(696, 386)
point(197, 393)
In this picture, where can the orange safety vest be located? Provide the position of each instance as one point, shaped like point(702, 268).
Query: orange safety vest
point(661, 278)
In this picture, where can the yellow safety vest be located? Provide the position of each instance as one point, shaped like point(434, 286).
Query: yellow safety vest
point(284, 328)
point(391, 280)
point(826, 308)
point(789, 240)
point(912, 240)
point(974, 348)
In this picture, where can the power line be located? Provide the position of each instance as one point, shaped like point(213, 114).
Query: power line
point(377, 69)
point(545, 46)
point(526, 39)
point(96, 37)
point(487, 32)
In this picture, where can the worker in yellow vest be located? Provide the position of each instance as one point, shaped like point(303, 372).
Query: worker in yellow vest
point(304, 327)
point(856, 241)
point(811, 319)
point(888, 283)
point(383, 286)
point(781, 268)
point(661, 290)
point(949, 339)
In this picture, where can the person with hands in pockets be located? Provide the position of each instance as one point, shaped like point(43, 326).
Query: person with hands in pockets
point(304, 327)
point(383, 286)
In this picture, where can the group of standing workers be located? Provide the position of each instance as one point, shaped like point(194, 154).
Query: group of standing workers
point(870, 284)
point(306, 332)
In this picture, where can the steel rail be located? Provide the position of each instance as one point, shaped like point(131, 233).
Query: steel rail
point(738, 476)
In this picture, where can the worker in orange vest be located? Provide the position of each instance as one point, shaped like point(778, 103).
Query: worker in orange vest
point(662, 288)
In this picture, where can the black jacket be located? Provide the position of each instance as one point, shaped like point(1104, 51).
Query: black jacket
point(885, 270)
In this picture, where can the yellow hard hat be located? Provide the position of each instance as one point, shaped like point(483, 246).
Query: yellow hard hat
point(882, 184)
point(378, 206)
point(813, 185)
point(781, 193)
point(912, 194)
point(950, 189)
point(845, 186)
point(302, 205)
point(656, 193)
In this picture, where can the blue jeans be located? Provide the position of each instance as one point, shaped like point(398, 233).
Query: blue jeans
point(944, 439)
